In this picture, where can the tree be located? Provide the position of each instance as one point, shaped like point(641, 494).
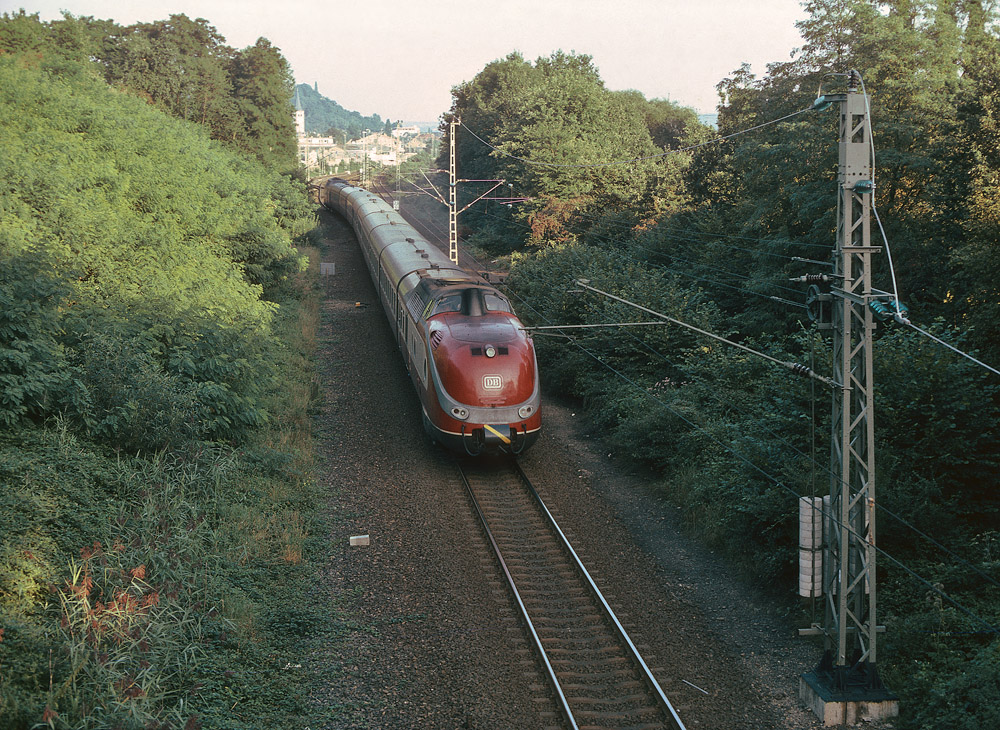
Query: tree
point(262, 85)
point(556, 134)
point(183, 67)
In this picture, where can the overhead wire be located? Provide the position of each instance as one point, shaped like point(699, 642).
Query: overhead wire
point(885, 239)
point(680, 272)
point(823, 467)
point(777, 482)
point(925, 333)
point(636, 246)
point(899, 316)
point(880, 506)
point(714, 237)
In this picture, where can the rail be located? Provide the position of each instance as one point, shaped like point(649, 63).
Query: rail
point(581, 645)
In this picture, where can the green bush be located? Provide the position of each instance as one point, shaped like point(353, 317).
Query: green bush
point(134, 403)
point(32, 361)
point(137, 258)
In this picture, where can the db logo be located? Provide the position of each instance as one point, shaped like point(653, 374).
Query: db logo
point(492, 382)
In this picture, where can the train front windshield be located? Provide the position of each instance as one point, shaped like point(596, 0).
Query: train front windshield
point(472, 302)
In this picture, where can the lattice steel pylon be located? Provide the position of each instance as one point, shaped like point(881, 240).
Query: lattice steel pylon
point(452, 194)
point(848, 672)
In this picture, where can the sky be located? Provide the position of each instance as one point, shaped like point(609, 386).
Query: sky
point(401, 58)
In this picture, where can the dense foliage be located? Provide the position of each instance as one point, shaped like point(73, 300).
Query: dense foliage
point(713, 236)
point(327, 117)
point(138, 258)
point(557, 113)
point(184, 67)
point(155, 511)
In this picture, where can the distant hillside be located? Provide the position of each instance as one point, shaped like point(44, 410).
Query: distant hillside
point(323, 113)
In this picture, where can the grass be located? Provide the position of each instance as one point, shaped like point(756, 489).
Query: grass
point(171, 591)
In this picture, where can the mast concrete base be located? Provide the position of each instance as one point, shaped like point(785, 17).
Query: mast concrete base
point(845, 707)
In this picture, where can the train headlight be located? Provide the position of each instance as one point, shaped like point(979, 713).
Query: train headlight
point(525, 411)
point(460, 413)
point(491, 351)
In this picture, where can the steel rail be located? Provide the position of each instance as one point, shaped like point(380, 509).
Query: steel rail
point(563, 703)
point(647, 675)
point(617, 632)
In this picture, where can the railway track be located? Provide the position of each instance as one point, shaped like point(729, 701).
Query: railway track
point(597, 677)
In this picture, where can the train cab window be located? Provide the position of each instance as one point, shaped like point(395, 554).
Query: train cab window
point(472, 302)
point(447, 303)
point(493, 302)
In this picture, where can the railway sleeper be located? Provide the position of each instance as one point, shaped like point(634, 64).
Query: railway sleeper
point(587, 632)
point(583, 660)
point(640, 726)
point(617, 684)
point(580, 666)
point(570, 612)
point(583, 654)
point(498, 505)
point(542, 555)
point(516, 524)
point(542, 591)
point(584, 620)
point(552, 596)
point(637, 714)
point(540, 572)
point(612, 674)
point(599, 704)
point(585, 641)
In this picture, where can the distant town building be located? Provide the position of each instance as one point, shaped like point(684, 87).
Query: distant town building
point(420, 142)
point(378, 147)
point(390, 150)
point(315, 151)
point(401, 131)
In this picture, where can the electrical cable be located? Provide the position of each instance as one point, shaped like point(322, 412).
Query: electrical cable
point(812, 460)
point(797, 368)
point(835, 520)
point(742, 290)
point(706, 266)
point(880, 506)
point(627, 227)
point(952, 348)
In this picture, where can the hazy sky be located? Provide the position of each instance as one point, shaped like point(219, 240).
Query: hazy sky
point(400, 58)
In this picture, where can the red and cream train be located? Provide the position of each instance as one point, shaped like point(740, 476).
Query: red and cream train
point(472, 364)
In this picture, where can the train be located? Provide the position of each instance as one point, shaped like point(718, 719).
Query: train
point(470, 360)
